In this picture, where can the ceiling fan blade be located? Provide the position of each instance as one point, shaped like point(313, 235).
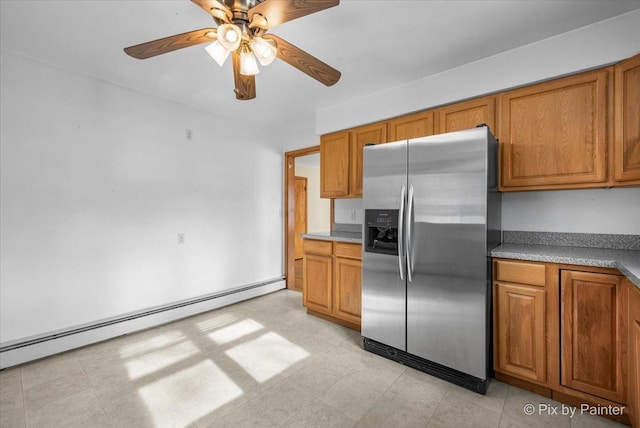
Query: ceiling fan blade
point(279, 11)
point(208, 5)
point(171, 43)
point(304, 62)
point(245, 85)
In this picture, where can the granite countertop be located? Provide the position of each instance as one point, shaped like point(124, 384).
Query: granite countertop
point(335, 235)
point(626, 261)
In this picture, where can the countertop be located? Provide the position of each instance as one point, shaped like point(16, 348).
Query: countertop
point(335, 235)
point(626, 261)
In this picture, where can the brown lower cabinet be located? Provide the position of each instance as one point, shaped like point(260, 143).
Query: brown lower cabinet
point(633, 385)
point(332, 285)
point(519, 320)
point(592, 333)
point(567, 332)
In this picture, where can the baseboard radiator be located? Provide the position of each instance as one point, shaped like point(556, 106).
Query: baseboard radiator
point(33, 348)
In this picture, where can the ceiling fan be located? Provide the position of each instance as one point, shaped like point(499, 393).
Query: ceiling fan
point(241, 32)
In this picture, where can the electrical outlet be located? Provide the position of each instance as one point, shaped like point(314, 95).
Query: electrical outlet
point(180, 238)
point(353, 215)
point(189, 134)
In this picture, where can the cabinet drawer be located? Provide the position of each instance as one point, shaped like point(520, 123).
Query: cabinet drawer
point(343, 249)
point(520, 272)
point(317, 247)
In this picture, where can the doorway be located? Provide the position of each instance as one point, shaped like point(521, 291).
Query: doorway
point(305, 211)
point(300, 227)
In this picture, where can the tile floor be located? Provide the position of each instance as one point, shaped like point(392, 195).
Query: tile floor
point(259, 363)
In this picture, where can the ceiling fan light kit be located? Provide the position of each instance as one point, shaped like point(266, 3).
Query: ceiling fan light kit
point(248, 64)
point(242, 25)
point(265, 50)
point(218, 52)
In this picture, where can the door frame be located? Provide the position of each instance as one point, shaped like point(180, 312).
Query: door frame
point(296, 210)
point(290, 213)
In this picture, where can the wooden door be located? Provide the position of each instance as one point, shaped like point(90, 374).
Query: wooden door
point(334, 165)
point(301, 213)
point(554, 134)
point(370, 134)
point(627, 122)
point(633, 385)
point(591, 339)
point(414, 125)
point(468, 114)
point(519, 331)
point(348, 289)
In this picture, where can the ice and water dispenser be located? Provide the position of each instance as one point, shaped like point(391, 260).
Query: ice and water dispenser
point(381, 231)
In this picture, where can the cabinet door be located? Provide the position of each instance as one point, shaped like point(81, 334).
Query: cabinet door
point(520, 335)
point(370, 134)
point(633, 385)
point(554, 134)
point(468, 114)
point(626, 123)
point(591, 339)
point(334, 165)
point(414, 125)
point(318, 277)
point(348, 289)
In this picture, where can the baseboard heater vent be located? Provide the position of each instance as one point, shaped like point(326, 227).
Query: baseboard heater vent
point(438, 370)
point(249, 291)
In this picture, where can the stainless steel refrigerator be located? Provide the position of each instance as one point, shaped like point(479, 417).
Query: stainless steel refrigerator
point(432, 214)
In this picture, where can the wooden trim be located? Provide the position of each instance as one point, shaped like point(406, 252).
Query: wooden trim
point(336, 320)
point(289, 212)
point(553, 325)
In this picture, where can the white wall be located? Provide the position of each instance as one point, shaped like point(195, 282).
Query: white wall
point(318, 209)
point(595, 211)
point(98, 180)
point(349, 211)
point(614, 210)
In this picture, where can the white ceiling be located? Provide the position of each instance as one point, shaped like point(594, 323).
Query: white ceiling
point(375, 44)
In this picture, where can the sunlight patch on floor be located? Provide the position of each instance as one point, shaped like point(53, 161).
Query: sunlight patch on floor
point(200, 389)
point(235, 331)
point(267, 356)
point(157, 360)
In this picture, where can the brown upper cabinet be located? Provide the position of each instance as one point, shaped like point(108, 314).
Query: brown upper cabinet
point(341, 159)
point(626, 142)
point(468, 114)
point(412, 126)
point(579, 131)
point(334, 165)
point(554, 134)
point(360, 137)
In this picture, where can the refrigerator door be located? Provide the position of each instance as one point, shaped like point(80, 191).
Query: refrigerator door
point(383, 287)
point(446, 233)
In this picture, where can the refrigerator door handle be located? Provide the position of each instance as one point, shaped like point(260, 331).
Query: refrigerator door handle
point(408, 235)
point(403, 194)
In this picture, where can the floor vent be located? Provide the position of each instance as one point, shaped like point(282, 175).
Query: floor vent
point(438, 370)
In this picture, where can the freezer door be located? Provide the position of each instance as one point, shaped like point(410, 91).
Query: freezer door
point(447, 288)
point(383, 288)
